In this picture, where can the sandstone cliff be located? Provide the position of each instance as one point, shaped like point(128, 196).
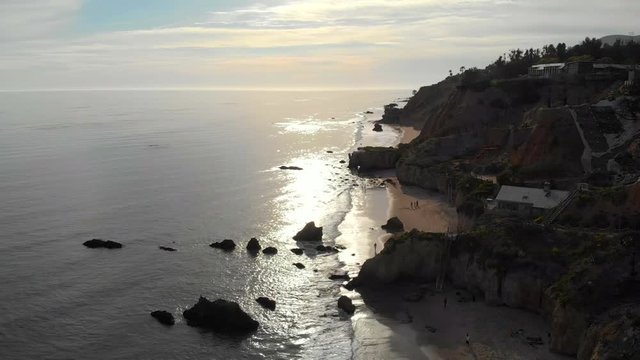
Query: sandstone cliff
point(531, 268)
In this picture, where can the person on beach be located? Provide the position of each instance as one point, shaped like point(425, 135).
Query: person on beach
point(375, 248)
point(445, 302)
point(467, 339)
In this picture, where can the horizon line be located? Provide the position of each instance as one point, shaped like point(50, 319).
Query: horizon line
point(173, 88)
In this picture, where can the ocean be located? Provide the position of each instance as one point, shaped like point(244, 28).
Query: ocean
point(180, 169)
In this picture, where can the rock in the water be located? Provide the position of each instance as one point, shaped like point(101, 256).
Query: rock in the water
point(99, 243)
point(221, 316)
point(266, 303)
point(253, 245)
point(368, 112)
point(329, 152)
point(226, 245)
point(393, 225)
point(310, 232)
point(299, 265)
point(166, 248)
point(339, 275)
point(270, 251)
point(164, 317)
point(351, 284)
point(290, 168)
point(324, 249)
point(377, 127)
point(342, 162)
point(297, 251)
point(346, 305)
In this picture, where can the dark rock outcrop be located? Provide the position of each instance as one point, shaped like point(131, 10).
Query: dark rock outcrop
point(299, 265)
point(326, 249)
point(290, 168)
point(374, 158)
point(163, 317)
point(310, 232)
point(220, 316)
point(297, 251)
point(166, 248)
point(266, 303)
point(377, 127)
point(226, 245)
point(270, 250)
point(346, 305)
point(393, 225)
point(339, 275)
point(253, 245)
point(99, 243)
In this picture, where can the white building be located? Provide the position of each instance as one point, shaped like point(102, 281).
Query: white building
point(529, 201)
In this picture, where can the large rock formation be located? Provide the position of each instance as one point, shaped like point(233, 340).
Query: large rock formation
point(99, 243)
point(374, 158)
point(310, 232)
point(220, 316)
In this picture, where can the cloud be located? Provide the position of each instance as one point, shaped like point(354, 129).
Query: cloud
point(27, 19)
point(369, 42)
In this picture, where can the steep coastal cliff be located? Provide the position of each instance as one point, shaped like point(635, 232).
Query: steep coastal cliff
point(534, 269)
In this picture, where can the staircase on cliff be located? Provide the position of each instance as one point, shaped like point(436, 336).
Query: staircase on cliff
point(553, 214)
point(444, 260)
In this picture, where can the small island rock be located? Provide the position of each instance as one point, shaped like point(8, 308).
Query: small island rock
point(163, 317)
point(226, 245)
point(270, 251)
point(299, 265)
point(253, 245)
point(377, 127)
point(220, 316)
point(310, 232)
point(99, 243)
point(266, 303)
point(297, 251)
point(393, 225)
point(346, 305)
point(166, 248)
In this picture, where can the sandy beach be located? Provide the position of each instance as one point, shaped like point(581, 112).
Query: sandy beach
point(388, 327)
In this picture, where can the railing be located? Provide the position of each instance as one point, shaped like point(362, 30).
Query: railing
point(556, 211)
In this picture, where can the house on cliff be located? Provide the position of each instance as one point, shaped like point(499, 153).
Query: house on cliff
point(528, 201)
point(546, 70)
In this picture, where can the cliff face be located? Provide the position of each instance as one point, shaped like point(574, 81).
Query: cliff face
point(528, 268)
point(553, 145)
point(374, 158)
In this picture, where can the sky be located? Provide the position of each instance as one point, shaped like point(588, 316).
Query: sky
point(107, 44)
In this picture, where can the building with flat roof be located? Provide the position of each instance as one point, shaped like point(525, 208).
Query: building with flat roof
point(529, 201)
point(546, 70)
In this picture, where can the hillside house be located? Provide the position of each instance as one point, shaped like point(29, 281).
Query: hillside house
point(528, 201)
point(546, 70)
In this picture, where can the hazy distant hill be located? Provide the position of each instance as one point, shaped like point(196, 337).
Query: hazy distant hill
point(610, 39)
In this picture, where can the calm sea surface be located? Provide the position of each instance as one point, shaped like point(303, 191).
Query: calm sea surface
point(180, 169)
